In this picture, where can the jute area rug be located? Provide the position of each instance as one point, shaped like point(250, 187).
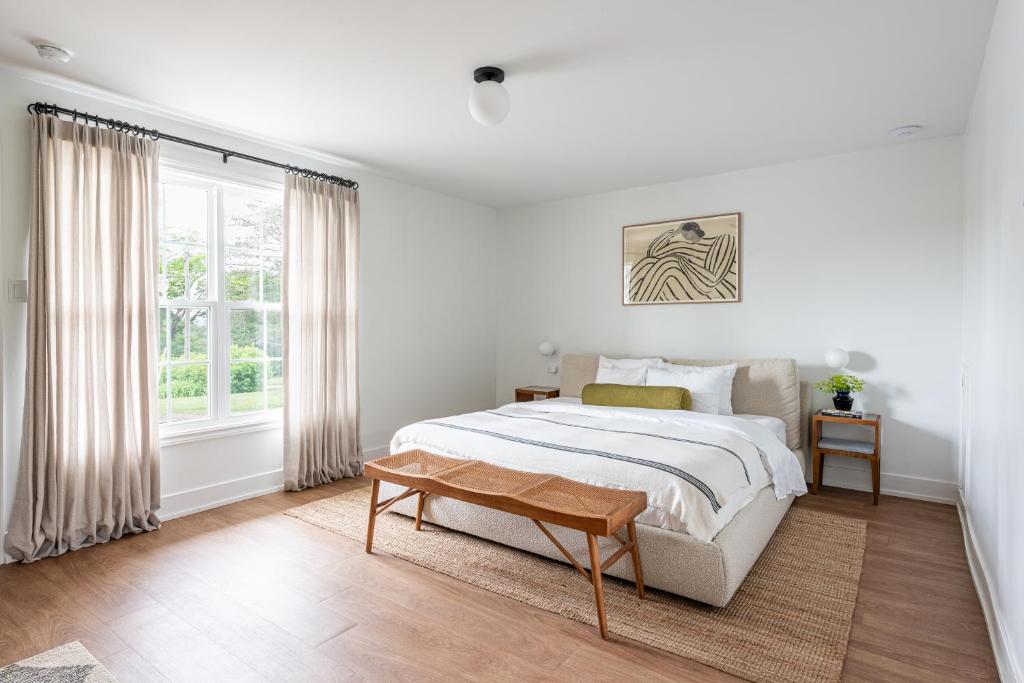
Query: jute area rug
point(790, 620)
point(69, 663)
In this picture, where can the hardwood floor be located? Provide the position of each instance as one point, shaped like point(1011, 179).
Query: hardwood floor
point(245, 593)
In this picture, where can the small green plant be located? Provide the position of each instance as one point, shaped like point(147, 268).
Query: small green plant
point(840, 383)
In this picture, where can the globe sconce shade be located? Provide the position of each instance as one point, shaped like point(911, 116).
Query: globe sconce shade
point(489, 102)
point(837, 358)
point(546, 349)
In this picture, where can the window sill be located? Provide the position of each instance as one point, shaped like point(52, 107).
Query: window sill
point(219, 431)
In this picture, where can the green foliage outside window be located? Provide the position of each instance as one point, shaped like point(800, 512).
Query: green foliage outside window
point(191, 380)
point(186, 381)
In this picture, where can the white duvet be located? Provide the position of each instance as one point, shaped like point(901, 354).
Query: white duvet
point(698, 470)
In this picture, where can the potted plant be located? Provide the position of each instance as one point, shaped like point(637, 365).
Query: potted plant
point(841, 386)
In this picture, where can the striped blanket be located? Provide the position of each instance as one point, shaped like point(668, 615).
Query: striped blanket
point(697, 470)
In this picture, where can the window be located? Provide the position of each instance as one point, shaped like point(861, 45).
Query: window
point(220, 302)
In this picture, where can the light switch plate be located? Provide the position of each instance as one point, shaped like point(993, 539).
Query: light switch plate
point(17, 290)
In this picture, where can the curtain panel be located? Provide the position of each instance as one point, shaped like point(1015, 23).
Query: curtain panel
point(89, 467)
point(319, 311)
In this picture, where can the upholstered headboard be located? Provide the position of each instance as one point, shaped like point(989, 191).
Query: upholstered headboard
point(763, 386)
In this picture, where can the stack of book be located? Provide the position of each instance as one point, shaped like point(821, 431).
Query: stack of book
point(852, 414)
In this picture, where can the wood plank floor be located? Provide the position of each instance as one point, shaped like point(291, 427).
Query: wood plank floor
point(245, 593)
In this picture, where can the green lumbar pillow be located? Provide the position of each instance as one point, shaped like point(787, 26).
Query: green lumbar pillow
point(629, 396)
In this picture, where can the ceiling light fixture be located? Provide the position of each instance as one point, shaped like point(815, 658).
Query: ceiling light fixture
point(905, 131)
point(52, 52)
point(489, 102)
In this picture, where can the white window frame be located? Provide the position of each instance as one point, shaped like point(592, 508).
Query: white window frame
point(219, 422)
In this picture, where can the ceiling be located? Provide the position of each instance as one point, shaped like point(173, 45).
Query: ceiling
point(605, 95)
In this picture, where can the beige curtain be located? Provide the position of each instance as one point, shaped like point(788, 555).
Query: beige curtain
point(89, 457)
point(321, 400)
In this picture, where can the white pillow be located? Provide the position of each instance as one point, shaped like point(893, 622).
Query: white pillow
point(629, 363)
point(633, 376)
point(703, 387)
point(724, 374)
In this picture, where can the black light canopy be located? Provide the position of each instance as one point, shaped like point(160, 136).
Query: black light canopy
point(489, 73)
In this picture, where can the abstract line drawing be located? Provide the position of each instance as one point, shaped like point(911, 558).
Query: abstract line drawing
point(692, 260)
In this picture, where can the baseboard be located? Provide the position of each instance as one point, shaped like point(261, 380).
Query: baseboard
point(226, 492)
point(900, 485)
point(1002, 645)
point(222, 493)
point(377, 452)
point(191, 501)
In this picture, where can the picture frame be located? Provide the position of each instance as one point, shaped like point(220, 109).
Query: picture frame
point(682, 261)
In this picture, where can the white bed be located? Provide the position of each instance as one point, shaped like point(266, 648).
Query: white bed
point(717, 485)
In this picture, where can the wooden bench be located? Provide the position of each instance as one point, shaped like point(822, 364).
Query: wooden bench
point(594, 510)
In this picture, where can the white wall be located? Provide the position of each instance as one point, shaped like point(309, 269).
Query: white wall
point(861, 251)
point(427, 318)
point(993, 467)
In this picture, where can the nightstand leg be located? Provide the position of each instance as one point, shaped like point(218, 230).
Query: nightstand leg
point(816, 459)
point(815, 463)
point(876, 467)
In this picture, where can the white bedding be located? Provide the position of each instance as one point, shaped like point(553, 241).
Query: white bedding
point(698, 470)
point(777, 426)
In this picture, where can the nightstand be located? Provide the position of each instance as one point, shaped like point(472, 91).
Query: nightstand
point(850, 448)
point(531, 393)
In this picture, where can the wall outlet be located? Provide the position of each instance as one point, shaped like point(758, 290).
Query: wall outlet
point(17, 290)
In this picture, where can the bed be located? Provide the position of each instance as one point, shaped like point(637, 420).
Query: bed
point(718, 486)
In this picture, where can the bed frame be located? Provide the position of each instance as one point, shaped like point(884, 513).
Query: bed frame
point(672, 561)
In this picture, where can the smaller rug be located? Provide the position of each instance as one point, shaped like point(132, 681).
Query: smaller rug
point(789, 621)
point(70, 663)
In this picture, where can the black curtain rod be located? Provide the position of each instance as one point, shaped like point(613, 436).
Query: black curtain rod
point(54, 110)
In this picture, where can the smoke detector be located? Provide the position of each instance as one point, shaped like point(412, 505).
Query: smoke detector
point(52, 52)
point(905, 131)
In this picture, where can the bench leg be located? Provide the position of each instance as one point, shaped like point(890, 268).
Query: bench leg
point(595, 577)
point(638, 571)
point(374, 490)
point(419, 510)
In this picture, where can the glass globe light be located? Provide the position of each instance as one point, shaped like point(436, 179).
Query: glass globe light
point(489, 101)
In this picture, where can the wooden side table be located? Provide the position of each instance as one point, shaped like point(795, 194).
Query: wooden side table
point(850, 448)
point(532, 392)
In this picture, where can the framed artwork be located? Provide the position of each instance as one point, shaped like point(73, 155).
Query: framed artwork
point(685, 261)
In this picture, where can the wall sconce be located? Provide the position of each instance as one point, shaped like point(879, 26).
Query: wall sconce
point(548, 350)
point(837, 358)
